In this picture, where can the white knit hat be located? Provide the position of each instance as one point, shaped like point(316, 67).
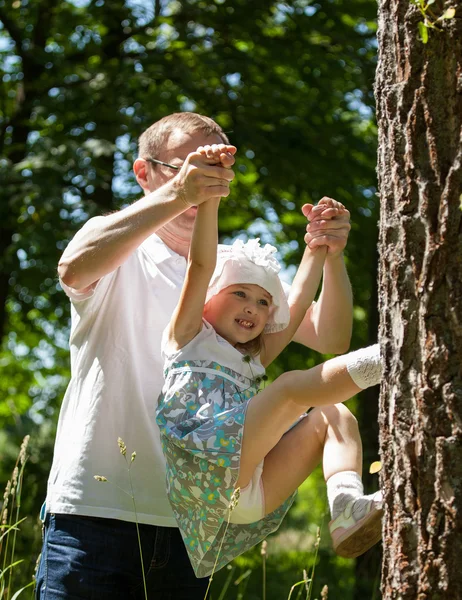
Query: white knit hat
point(252, 264)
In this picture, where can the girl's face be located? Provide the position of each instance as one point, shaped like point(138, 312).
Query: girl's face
point(239, 313)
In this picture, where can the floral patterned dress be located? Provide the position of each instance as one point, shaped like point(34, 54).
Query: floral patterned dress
point(201, 414)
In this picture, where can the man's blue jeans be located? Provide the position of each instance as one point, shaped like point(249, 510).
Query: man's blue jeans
point(86, 558)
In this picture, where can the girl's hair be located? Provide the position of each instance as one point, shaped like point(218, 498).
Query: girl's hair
point(154, 138)
point(253, 347)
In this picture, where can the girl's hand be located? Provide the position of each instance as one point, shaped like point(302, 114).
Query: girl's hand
point(219, 154)
point(329, 225)
point(205, 174)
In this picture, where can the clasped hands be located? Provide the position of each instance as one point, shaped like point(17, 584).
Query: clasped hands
point(207, 174)
point(329, 225)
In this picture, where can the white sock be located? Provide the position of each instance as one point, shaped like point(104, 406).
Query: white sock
point(341, 488)
point(344, 487)
point(365, 366)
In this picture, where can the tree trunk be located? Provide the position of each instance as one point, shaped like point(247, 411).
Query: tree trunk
point(419, 110)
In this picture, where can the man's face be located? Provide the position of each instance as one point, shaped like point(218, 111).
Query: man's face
point(175, 151)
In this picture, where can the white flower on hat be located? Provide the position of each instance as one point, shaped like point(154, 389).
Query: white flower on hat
point(260, 255)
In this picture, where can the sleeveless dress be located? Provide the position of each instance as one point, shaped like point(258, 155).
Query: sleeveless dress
point(201, 414)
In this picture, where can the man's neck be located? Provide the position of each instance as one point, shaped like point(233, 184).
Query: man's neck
point(178, 244)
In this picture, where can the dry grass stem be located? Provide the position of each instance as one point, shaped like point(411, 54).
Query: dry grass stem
point(264, 546)
point(10, 521)
point(122, 446)
point(23, 450)
point(131, 494)
point(232, 505)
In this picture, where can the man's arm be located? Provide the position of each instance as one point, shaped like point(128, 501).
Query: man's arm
point(104, 243)
point(328, 323)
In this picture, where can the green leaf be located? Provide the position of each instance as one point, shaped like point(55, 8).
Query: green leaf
point(449, 14)
point(423, 32)
point(10, 528)
point(22, 589)
point(10, 567)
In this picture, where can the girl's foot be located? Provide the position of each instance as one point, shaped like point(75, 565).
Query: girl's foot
point(358, 527)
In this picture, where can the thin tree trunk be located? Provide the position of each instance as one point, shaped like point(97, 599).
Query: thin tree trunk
point(419, 109)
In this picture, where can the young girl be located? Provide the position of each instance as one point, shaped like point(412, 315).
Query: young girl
point(226, 439)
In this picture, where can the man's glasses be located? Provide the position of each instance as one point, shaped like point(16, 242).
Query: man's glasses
point(160, 162)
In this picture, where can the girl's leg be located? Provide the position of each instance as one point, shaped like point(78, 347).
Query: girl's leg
point(274, 410)
point(329, 433)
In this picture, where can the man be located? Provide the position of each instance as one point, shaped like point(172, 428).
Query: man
point(123, 273)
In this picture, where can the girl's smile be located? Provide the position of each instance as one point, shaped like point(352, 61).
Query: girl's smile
point(245, 323)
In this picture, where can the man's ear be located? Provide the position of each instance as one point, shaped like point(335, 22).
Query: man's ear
point(140, 168)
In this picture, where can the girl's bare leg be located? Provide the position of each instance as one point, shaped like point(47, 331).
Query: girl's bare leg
point(274, 410)
point(329, 433)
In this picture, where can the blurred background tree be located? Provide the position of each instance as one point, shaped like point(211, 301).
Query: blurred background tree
point(291, 83)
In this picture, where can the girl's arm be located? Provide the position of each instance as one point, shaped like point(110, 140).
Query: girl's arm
point(328, 324)
point(302, 293)
point(186, 321)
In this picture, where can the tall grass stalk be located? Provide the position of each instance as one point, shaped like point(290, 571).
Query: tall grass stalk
point(227, 582)
point(311, 579)
point(10, 522)
point(264, 546)
point(244, 578)
point(131, 494)
point(302, 582)
point(232, 505)
point(306, 580)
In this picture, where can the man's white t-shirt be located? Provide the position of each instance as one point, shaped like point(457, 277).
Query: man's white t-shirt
point(116, 377)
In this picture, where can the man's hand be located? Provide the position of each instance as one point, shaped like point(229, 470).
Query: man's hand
point(206, 174)
point(329, 225)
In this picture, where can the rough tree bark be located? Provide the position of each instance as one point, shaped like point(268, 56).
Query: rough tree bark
point(419, 108)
